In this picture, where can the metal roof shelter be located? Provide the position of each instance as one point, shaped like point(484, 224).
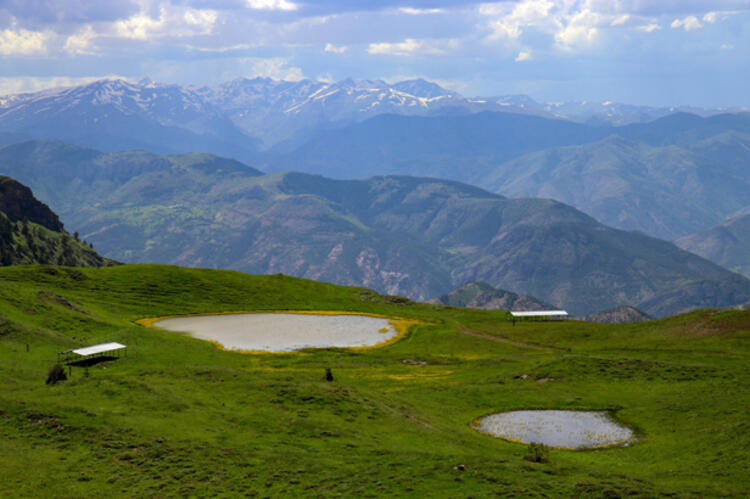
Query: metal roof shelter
point(92, 354)
point(539, 314)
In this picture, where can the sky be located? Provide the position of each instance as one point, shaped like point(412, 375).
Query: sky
point(653, 52)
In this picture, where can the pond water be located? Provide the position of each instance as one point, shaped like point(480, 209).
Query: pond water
point(569, 429)
point(279, 332)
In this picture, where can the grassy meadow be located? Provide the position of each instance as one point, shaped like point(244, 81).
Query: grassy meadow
point(180, 417)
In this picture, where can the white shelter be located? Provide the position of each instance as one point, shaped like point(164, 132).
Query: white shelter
point(92, 354)
point(539, 315)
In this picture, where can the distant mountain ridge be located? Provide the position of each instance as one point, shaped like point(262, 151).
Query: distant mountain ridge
point(415, 237)
point(618, 315)
point(482, 295)
point(671, 177)
point(727, 244)
point(662, 190)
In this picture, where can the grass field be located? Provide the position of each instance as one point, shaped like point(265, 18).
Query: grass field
point(180, 417)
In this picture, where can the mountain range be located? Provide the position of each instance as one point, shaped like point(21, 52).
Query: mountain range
point(669, 178)
point(416, 237)
point(240, 117)
point(727, 244)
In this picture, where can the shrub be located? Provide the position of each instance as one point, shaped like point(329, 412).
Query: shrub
point(329, 374)
point(56, 373)
point(538, 453)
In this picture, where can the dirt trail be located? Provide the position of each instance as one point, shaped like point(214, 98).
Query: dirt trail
point(508, 341)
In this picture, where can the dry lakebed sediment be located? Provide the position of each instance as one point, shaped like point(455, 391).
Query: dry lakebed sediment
point(284, 332)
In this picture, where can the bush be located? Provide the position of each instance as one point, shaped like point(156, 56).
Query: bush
point(56, 373)
point(538, 453)
point(329, 374)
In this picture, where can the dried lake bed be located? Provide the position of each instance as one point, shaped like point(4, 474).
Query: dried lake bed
point(564, 429)
point(284, 332)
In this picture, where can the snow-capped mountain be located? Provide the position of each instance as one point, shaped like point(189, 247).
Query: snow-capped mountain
point(117, 114)
point(606, 112)
point(242, 117)
point(277, 111)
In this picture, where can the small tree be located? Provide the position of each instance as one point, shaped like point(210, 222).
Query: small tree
point(56, 373)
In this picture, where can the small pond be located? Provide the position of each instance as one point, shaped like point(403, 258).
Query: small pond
point(567, 429)
point(283, 332)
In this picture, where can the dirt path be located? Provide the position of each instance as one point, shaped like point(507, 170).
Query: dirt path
point(508, 341)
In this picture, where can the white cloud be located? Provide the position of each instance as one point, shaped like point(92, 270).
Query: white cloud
point(619, 21)
point(411, 46)
point(727, 46)
point(222, 50)
point(22, 42)
point(80, 42)
point(581, 29)
point(272, 5)
point(649, 28)
point(510, 23)
point(22, 84)
point(336, 50)
point(204, 19)
point(688, 24)
point(276, 68)
point(418, 12)
point(175, 23)
point(709, 17)
point(524, 55)
point(140, 26)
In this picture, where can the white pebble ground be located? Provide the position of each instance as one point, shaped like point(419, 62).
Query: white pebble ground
point(283, 332)
point(570, 429)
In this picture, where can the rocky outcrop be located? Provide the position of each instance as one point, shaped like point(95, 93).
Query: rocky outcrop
point(18, 203)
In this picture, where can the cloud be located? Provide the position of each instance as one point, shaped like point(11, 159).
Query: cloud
point(619, 21)
point(80, 42)
point(510, 24)
point(648, 28)
point(46, 13)
point(524, 55)
point(172, 22)
point(418, 12)
point(688, 24)
point(581, 29)
point(22, 84)
point(336, 50)
point(272, 5)
point(22, 42)
point(276, 68)
point(410, 46)
point(139, 26)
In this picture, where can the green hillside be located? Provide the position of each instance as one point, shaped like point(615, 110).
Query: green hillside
point(178, 417)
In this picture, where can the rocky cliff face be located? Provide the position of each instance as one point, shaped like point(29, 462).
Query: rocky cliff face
point(18, 203)
point(31, 233)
